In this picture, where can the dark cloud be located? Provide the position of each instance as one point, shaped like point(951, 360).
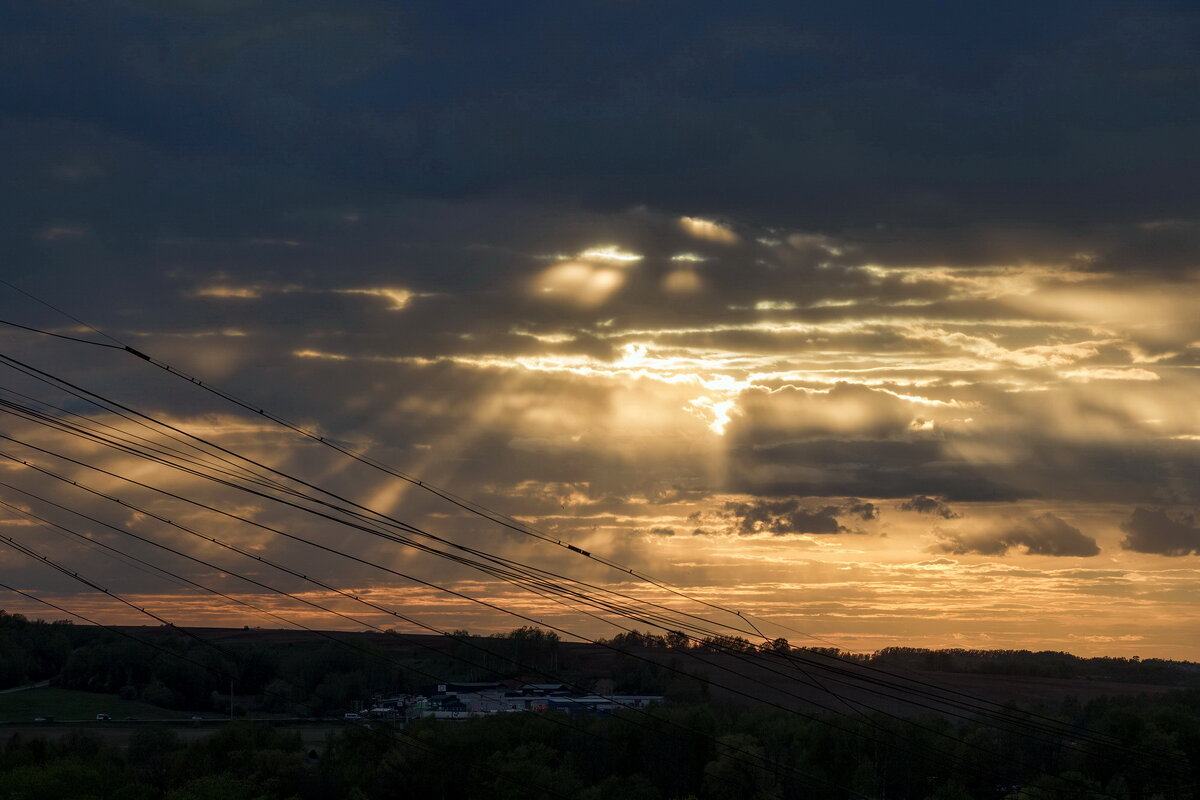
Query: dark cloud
point(892, 469)
point(780, 517)
point(923, 504)
point(661, 530)
point(1041, 535)
point(1152, 531)
point(861, 509)
point(848, 116)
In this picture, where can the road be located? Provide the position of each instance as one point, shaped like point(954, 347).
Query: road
point(26, 687)
point(313, 732)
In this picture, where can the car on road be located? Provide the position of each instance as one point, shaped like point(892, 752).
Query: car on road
point(103, 718)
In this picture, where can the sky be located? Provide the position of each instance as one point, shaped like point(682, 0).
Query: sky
point(876, 320)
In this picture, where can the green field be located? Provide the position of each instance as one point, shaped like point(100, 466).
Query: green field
point(68, 704)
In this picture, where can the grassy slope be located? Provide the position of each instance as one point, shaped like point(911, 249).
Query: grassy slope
point(68, 704)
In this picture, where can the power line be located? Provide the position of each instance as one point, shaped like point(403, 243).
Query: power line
point(58, 335)
point(467, 505)
point(58, 310)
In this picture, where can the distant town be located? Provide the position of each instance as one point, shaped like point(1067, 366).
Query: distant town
point(456, 701)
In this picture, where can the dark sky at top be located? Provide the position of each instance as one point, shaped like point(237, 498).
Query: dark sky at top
point(945, 116)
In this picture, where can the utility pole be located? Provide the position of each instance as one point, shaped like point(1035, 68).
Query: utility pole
point(231, 698)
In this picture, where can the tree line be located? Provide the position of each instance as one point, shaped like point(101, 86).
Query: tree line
point(682, 751)
point(319, 677)
point(1043, 663)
